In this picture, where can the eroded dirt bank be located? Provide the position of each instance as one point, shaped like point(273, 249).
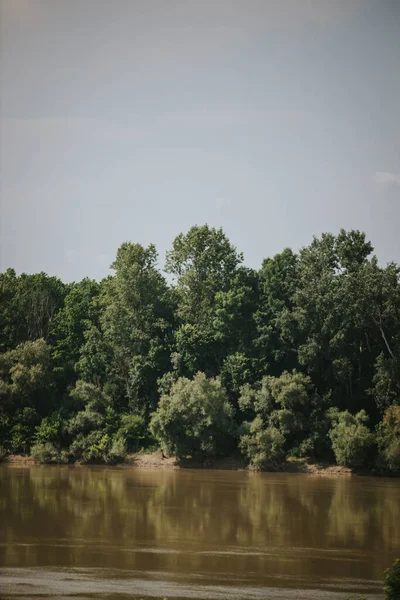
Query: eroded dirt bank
point(156, 460)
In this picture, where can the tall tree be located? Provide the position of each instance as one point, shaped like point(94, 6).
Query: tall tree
point(277, 334)
point(136, 323)
point(11, 330)
point(25, 392)
point(330, 307)
point(205, 265)
point(79, 312)
point(203, 262)
point(41, 297)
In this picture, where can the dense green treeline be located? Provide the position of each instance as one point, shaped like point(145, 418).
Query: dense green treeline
point(300, 358)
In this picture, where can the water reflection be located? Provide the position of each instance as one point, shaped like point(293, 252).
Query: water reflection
point(214, 528)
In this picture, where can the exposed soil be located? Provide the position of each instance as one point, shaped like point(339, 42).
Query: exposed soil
point(153, 460)
point(311, 468)
point(156, 460)
point(19, 460)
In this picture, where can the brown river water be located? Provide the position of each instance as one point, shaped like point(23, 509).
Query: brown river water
point(93, 532)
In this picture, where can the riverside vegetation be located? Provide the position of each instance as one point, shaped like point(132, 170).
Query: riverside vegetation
point(300, 358)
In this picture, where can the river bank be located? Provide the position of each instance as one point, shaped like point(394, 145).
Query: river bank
point(156, 460)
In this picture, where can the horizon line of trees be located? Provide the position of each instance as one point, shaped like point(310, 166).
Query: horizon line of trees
point(299, 358)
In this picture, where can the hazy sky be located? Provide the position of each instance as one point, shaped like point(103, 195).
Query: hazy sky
point(135, 119)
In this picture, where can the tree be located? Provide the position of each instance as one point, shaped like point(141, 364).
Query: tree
point(331, 310)
point(351, 438)
point(11, 330)
point(93, 429)
point(40, 297)
point(83, 365)
point(236, 371)
point(136, 325)
point(68, 328)
point(212, 295)
point(96, 361)
point(132, 430)
point(25, 391)
point(203, 262)
point(234, 323)
point(277, 337)
point(290, 405)
point(47, 453)
point(392, 581)
point(388, 434)
point(262, 446)
point(194, 419)
point(381, 289)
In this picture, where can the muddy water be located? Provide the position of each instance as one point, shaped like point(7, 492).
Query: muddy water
point(113, 533)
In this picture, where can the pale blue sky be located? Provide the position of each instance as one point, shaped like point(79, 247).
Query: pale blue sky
point(135, 119)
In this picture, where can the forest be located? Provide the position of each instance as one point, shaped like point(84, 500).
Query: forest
point(300, 358)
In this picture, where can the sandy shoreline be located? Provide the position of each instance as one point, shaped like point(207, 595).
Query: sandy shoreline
point(155, 460)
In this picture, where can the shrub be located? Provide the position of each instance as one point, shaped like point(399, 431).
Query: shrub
point(90, 447)
point(194, 419)
point(132, 430)
point(22, 432)
point(388, 436)
point(350, 437)
point(392, 581)
point(3, 453)
point(117, 451)
point(263, 446)
point(46, 453)
point(86, 394)
point(98, 447)
point(49, 429)
point(85, 421)
point(289, 404)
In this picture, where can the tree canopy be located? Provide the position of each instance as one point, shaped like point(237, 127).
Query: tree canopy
point(299, 358)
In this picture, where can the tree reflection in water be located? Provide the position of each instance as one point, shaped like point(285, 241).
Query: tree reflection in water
point(217, 525)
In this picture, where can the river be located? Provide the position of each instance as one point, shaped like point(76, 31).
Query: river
point(93, 532)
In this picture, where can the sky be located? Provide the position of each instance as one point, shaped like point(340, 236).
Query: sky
point(132, 120)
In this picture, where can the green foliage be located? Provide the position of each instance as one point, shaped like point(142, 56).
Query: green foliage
point(351, 438)
point(40, 298)
point(28, 304)
point(22, 432)
point(290, 405)
point(234, 323)
point(133, 430)
point(50, 429)
point(386, 381)
point(47, 453)
point(3, 453)
point(96, 430)
point(95, 357)
point(194, 419)
point(203, 262)
point(11, 328)
point(262, 446)
point(276, 338)
point(135, 321)
point(388, 437)
point(98, 447)
point(236, 372)
point(25, 370)
point(392, 581)
point(69, 326)
point(117, 451)
point(93, 403)
point(83, 365)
